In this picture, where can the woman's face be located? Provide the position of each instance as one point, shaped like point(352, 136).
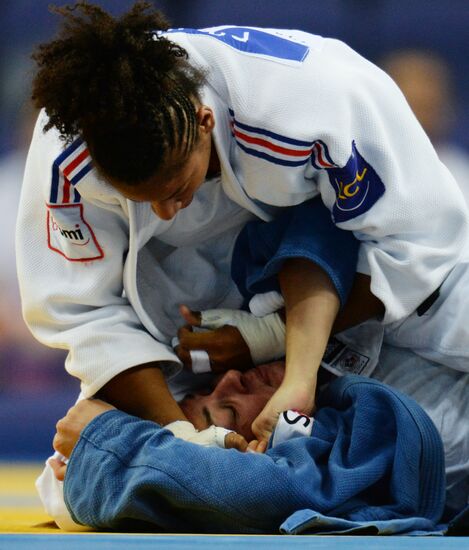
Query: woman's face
point(172, 189)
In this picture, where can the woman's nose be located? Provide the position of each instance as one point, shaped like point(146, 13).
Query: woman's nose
point(166, 210)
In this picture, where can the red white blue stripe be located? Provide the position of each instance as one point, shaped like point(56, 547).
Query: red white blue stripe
point(320, 157)
point(68, 169)
point(279, 149)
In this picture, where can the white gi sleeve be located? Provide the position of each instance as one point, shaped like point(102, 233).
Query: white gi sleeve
point(70, 256)
point(376, 171)
point(326, 120)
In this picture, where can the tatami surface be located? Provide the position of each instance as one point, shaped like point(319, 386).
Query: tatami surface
point(20, 508)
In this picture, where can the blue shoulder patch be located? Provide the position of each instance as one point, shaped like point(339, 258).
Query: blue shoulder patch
point(357, 187)
point(254, 42)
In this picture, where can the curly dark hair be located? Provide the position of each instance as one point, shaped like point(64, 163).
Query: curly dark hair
point(121, 85)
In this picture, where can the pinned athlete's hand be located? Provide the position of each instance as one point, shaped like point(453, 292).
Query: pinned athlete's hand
point(213, 436)
point(287, 397)
point(256, 446)
point(236, 441)
point(223, 343)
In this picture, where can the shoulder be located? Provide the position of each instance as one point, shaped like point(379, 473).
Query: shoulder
point(65, 169)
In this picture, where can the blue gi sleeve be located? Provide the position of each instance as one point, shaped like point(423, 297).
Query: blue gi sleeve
point(373, 456)
point(303, 231)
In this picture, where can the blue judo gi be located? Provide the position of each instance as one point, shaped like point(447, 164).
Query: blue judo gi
point(373, 463)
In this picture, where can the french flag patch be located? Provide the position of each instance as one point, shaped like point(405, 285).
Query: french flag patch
point(68, 233)
point(68, 169)
point(279, 149)
point(320, 157)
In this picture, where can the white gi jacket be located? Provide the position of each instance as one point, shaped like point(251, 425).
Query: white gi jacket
point(296, 115)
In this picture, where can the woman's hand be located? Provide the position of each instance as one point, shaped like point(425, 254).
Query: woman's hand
point(289, 396)
point(77, 418)
point(224, 345)
point(234, 440)
point(58, 467)
point(69, 429)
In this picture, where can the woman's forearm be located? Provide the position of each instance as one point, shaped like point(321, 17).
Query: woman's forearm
point(142, 391)
point(311, 307)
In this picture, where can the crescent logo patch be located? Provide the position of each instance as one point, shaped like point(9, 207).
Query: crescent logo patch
point(357, 187)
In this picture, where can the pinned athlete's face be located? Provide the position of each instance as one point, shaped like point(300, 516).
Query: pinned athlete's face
point(172, 189)
point(236, 400)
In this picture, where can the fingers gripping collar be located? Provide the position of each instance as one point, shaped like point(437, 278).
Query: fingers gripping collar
point(264, 336)
point(211, 437)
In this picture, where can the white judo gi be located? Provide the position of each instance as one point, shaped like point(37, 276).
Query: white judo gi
point(296, 115)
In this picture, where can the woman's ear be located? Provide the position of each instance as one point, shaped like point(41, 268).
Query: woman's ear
point(206, 119)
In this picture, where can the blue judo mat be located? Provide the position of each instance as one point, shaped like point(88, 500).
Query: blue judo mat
point(227, 542)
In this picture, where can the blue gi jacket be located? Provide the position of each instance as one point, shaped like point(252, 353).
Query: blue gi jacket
point(373, 462)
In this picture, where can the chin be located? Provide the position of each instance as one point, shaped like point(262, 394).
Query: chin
point(186, 204)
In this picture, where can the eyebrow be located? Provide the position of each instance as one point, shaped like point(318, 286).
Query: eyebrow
point(181, 189)
point(208, 416)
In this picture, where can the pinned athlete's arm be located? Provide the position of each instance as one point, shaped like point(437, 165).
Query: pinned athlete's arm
point(69, 429)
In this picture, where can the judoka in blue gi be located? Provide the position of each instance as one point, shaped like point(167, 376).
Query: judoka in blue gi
point(260, 251)
point(371, 461)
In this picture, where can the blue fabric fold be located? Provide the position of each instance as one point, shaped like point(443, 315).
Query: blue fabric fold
point(309, 522)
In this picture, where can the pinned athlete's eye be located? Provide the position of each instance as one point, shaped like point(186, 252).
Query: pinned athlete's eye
point(233, 414)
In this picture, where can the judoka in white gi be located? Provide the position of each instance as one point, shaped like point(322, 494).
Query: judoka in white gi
point(290, 116)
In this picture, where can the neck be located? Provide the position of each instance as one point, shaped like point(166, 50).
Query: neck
point(214, 167)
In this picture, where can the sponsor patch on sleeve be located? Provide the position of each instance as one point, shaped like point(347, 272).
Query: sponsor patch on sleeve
point(357, 187)
point(70, 235)
point(291, 424)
